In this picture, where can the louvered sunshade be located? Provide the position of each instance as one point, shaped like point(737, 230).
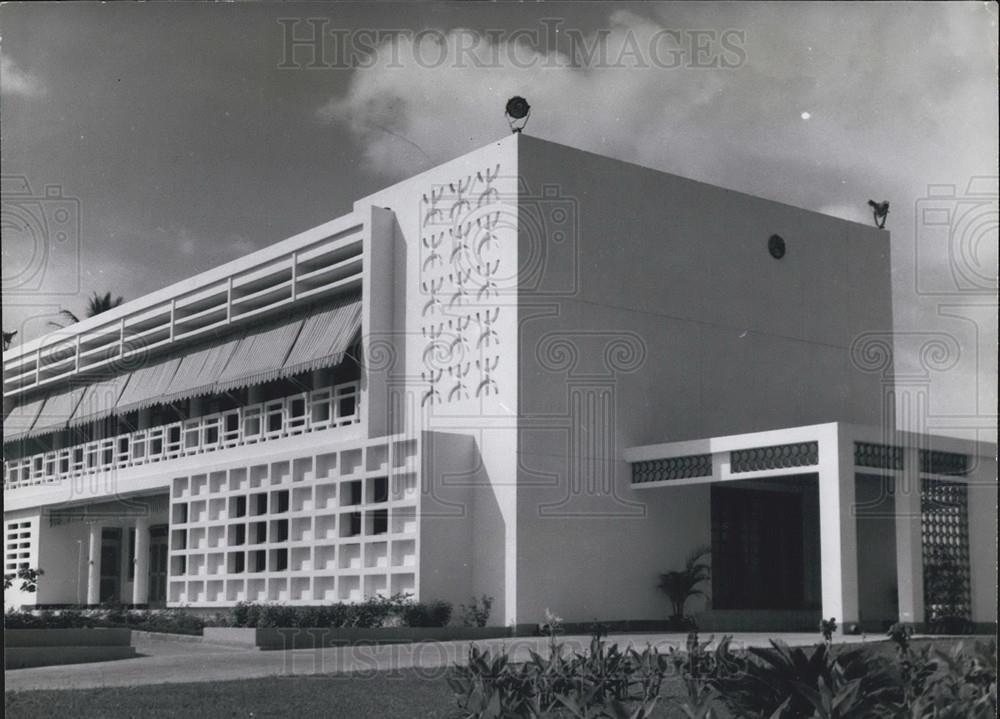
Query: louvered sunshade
point(259, 357)
point(147, 385)
point(21, 419)
point(58, 408)
point(325, 337)
point(198, 372)
point(279, 350)
point(99, 400)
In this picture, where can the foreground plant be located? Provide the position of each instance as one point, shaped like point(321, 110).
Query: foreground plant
point(603, 682)
point(681, 585)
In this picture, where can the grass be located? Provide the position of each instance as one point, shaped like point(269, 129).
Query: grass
point(378, 695)
point(402, 694)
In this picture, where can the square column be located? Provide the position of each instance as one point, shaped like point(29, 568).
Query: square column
point(140, 574)
point(838, 530)
point(94, 565)
point(909, 548)
point(983, 537)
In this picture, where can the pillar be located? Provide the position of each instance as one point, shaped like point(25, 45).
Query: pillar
point(140, 574)
point(94, 565)
point(982, 535)
point(909, 550)
point(838, 531)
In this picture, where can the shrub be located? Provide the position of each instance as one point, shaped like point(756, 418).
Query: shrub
point(477, 614)
point(375, 612)
point(431, 614)
point(171, 621)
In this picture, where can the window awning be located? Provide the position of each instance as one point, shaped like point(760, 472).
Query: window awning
point(99, 400)
point(147, 385)
point(59, 407)
point(198, 372)
point(259, 357)
point(19, 422)
point(325, 337)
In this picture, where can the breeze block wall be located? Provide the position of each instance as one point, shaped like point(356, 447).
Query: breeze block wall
point(338, 524)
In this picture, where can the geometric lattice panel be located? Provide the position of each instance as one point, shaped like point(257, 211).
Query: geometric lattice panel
point(17, 548)
point(779, 457)
point(943, 463)
point(882, 456)
point(658, 470)
point(944, 525)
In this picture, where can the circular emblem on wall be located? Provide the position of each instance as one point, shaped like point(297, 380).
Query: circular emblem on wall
point(776, 246)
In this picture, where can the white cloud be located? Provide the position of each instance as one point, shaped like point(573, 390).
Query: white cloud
point(15, 81)
point(896, 102)
point(874, 118)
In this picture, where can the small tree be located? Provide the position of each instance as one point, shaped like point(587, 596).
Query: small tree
point(679, 586)
point(27, 575)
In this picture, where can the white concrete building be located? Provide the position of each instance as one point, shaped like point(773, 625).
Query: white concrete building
point(531, 372)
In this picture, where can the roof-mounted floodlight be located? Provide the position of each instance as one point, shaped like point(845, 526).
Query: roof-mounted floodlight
point(518, 110)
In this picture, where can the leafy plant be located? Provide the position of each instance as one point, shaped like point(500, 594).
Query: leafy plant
point(602, 682)
point(477, 614)
point(827, 627)
point(958, 684)
point(27, 575)
point(681, 585)
point(697, 667)
point(802, 683)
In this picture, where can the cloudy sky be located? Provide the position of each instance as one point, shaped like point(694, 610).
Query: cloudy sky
point(190, 134)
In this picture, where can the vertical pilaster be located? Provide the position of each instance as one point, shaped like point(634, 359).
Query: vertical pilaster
point(838, 527)
point(140, 581)
point(909, 551)
point(94, 565)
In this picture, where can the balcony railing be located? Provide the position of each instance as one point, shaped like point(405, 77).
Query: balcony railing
point(283, 417)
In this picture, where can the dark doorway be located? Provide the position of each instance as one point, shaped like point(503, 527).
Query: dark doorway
point(111, 564)
point(763, 556)
point(158, 564)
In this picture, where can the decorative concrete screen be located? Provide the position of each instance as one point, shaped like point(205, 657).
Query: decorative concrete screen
point(945, 463)
point(945, 537)
point(331, 526)
point(880, 456)
point(17, 545)
point(658, 470)
point(801, 454)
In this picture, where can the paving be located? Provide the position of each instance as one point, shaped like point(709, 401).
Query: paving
point(166, 660)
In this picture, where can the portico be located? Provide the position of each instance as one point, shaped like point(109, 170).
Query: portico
point(892, 508)
point(111, 552)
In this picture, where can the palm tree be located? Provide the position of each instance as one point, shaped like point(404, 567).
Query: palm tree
point(95, 306)
point(679, 586)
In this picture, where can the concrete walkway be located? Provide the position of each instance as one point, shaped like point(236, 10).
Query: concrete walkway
point(165, 660)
